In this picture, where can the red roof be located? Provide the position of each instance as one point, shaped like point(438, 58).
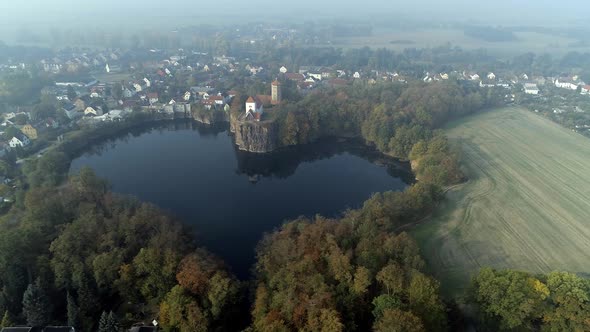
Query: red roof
point(250, 100)
point(338, 81)
point(295, 76)
point(276, 83)
point(264, 99)
point(215, 98)
point(152, 95)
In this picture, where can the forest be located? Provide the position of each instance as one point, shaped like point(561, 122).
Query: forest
point(73, 252)
point(400, 121)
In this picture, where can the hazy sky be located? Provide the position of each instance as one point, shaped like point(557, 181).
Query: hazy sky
point(42, 14)
point(27, 9)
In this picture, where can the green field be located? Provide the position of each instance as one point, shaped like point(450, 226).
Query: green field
point(425, 38)
point(526, 205)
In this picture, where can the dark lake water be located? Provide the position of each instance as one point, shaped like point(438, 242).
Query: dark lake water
point(232, 197)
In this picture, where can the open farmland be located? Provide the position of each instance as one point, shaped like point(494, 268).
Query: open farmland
point(526, 205)
point(425, 38)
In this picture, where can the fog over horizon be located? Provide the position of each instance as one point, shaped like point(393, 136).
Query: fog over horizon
point(40, 19)
point(507, 12)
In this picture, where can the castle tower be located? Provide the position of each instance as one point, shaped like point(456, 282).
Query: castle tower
point(276, 92)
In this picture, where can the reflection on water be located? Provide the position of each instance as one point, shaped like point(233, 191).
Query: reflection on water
point(284, 163)
point(232, 197)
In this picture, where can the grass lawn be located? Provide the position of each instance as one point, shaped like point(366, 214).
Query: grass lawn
point(526, 205)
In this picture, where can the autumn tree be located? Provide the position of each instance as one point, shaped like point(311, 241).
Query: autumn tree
point(289, 135)
point(6, 320)
point(395, 320)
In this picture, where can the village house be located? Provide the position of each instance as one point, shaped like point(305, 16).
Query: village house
point(29, 131)
point(283, 70)
point(208, 104)
point(217, 99)
point(70, 110)
point(51, 123)
point(531, 89)
point(586, 90)
point(128, 93)
point(326, 73)
point(254, 109)
point(297, 77)
point(93, 111)
point(491, 76)
point(152, 98)
point(201, 91)
point(20, 140)
point(315, 76)
point(567, 83)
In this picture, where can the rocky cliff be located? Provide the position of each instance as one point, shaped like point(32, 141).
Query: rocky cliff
point(258, 137)
point(211, 117)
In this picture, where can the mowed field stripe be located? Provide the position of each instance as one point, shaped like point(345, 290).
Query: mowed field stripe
point(526, 205)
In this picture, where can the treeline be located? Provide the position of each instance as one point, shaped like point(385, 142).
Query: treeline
point(393, 117)
point(519, 301)
point(351, 274)
point(359, 273)
point(79, 250)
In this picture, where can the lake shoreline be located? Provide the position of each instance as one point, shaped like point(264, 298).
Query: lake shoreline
point(233, 196)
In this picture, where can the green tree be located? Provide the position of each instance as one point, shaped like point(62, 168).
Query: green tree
point(181, 312)
point(20, 119)
point(155, 270)
point(512, 298)
point(569, 302)
point(6, 320)
point(223, 292)
point(392, 278)
point(11, 132)
point(43, 111)
point(108, 322)
point(36, 305)
point(117, 91)
point(88, 303)
point(72, 311)
point(385, 302)
point(71, 93)
point(424, 301)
